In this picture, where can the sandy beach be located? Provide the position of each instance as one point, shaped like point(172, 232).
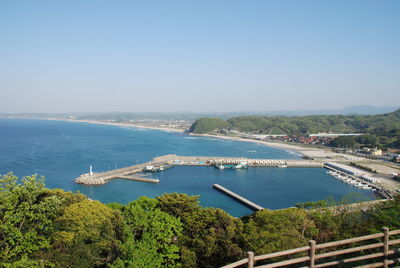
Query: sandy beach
point(125, 124)
point(301, 150)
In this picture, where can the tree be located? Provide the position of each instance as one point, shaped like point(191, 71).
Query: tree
point(151, 236)
point(273, 230)
point(210, 236)
point(343, 142)
point(88, 234)
point(26, 217)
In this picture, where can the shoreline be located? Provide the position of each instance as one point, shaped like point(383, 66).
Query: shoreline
point(292, 148)
point(96, 122)
point(166, 129)
point(300, 150)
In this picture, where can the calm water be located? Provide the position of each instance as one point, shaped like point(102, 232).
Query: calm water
point(61, 151)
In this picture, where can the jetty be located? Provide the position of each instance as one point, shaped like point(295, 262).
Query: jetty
point(167, 161)
point(237, 197)
point(138, 179)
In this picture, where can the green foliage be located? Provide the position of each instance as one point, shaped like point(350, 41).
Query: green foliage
point(207, 125)
point(52, 228)
point(87, 230)
point(312, 204)
point(385, 214)
point(274, 230)
point(343, 142)
point(26, 217)
point(151, 235)
point(179, 205)
point(210, 236)
point(385, 128)
point(25, 262)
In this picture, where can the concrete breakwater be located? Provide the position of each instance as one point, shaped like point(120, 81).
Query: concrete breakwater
point(100, 178)
point(237, 197)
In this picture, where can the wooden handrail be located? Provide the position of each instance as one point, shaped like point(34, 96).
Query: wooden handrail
point(350, 240)
point(386, 253)
point(282, 253)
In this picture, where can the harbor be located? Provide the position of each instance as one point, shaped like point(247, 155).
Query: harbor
point(342, 172)
point(164, 162)
point(357, 178)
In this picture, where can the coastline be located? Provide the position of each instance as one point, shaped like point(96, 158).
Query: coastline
point(166, 129)
point(301, 150)
point(292, 148)
point(289, 147)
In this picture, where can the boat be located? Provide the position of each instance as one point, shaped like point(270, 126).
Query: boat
point(220, 166)
point(151, 168)
point(241, 165)
point(282, 166)
point(365, 186)
point(359, 185)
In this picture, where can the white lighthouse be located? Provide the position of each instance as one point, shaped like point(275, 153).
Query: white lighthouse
point(90, 170)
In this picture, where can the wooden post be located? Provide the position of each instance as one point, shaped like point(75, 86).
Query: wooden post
point(385, 246)
point(311, 253)
point(250, 256)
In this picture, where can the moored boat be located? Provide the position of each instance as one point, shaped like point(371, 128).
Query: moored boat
point(220, 166)
point(151, 168)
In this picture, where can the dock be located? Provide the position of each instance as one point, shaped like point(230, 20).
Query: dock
point(238, 198)
point(167, 161)
point(138, 179)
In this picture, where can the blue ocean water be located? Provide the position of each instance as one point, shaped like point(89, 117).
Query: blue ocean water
point(61, 151)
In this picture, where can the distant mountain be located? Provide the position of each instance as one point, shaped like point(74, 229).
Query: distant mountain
point(367, 109)
point(360, 109)
point(192, 116)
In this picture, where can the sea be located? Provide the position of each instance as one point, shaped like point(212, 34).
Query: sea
point(62, 150)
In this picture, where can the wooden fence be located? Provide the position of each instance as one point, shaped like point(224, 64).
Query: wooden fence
point(387, 254)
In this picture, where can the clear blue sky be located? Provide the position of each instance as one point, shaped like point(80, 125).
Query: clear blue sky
point(59, 56)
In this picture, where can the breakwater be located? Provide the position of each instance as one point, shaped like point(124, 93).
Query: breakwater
point(237, 197)
point(101, 178)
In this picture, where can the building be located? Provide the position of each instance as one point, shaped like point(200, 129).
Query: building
point(375, 151)
point(334, 135)
point(345, 169)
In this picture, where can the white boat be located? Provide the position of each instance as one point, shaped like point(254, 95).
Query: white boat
point(220, 166)
point(282, 166)
point(241, 165)
point(151, 168)
point(365, 186)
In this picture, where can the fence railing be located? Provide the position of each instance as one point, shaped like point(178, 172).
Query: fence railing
point(313, 259)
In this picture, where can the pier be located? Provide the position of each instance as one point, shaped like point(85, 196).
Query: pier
point(138, 179)
point(167, 161)
point(237, 197)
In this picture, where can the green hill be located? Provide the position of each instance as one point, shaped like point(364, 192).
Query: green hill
point(301, 125)
point(208, 125)
point(383, 130)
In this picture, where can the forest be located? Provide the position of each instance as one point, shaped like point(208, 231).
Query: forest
point(43, 227)
point(381, 130)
